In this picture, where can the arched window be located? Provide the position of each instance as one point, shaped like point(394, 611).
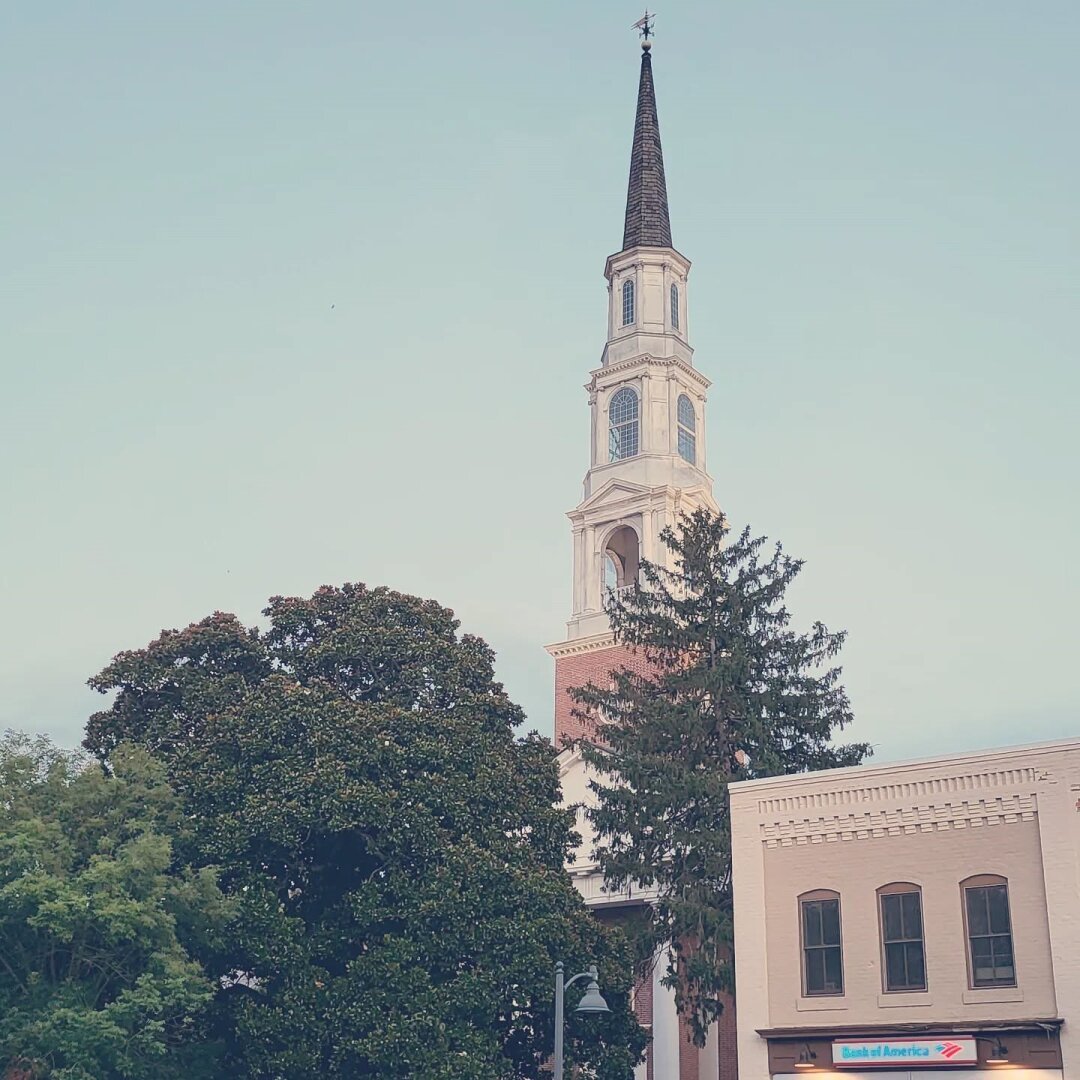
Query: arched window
point(902, 948)
point(687, 429)
point(612, 572)
point(628, 301)
point(621, 561)
point(822, 949)
point(623, 424)
point(675, 306)
point(988, 923)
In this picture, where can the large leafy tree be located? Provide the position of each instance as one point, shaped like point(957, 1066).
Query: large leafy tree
point(396, 853)
point(95, 980)
point(731, 692)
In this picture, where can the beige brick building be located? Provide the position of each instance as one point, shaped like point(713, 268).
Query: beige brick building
point(911, 920)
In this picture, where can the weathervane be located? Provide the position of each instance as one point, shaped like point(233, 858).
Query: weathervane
point(644, 26)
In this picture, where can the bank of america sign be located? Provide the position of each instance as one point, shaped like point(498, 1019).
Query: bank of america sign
point(885, 1052)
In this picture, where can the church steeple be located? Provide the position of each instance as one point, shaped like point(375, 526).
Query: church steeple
point(647, 446)
point(647, 220)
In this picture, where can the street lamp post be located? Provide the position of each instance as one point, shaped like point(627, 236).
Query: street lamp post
point(592, 1002)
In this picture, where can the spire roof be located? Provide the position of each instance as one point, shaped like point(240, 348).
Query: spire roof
point(647, 221)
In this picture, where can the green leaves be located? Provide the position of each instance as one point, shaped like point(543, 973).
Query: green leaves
point(94, 978)
point(733, 692)
point(394, 853)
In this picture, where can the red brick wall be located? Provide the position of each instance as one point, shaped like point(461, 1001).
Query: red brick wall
point(643, 1012)
point(580, 669)
point(689, 1054)
point(728, 1042)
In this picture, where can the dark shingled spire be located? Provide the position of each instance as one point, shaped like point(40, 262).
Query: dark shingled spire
point(647, 222)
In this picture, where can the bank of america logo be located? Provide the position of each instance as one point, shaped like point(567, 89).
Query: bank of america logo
point(948, 1050)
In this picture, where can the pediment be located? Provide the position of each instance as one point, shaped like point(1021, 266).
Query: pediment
point(614, 491)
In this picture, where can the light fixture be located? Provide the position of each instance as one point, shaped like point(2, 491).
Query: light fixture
point(807, 1057)
point(999, 1055)
point(593, 1001)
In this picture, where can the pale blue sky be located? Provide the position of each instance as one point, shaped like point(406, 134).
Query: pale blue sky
point(295, 294)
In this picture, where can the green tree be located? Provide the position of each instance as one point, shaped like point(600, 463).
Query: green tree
point(396, 853)
point(732, 692)
point(95, 979)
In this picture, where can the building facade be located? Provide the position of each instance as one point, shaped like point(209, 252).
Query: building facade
point(911, 920)
point(647, 466)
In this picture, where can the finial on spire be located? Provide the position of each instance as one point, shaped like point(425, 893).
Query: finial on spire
point(647, 223)
point(644, 26)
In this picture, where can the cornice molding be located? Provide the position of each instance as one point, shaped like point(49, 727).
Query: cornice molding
point(580, 646)
point(1005, 809)
point(642, 256)
point(641, 363)
point(1023, 764)
point(906, 789)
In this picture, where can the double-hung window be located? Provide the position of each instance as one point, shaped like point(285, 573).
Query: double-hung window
point(902, 937)
point(822, 951)
point(989, 932)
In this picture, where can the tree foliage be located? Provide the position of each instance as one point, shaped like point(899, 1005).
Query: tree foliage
point(95, 979)
point(395, 852)
point(732, 693)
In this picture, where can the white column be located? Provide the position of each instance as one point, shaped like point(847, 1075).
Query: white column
point(579, 577)
point(589, 566)
point(673, 415)
point(594, 428)
point(702, 442)
point(665, 1025)
point(600, 430)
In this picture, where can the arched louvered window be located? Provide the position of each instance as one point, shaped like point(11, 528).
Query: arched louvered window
point(675, 306)
point(628, 301)
point(687, 430)
point(623, 429)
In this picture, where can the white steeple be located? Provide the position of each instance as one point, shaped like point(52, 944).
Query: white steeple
point(647, 463)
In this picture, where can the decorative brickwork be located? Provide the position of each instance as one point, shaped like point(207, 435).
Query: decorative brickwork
point(961, 814)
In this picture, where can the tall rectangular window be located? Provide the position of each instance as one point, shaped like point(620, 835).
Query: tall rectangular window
point(902, 940)
point(989, 930)
point(823, 966)
point(627, 302)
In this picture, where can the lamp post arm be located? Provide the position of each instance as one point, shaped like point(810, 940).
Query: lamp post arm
point(592, 973)
point(561, 983)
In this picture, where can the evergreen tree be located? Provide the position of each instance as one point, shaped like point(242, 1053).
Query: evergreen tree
point(732, 692)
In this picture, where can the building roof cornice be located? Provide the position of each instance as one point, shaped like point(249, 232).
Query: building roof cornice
point(869, 775)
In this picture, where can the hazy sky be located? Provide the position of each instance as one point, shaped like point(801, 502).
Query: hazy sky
point(297, 294)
